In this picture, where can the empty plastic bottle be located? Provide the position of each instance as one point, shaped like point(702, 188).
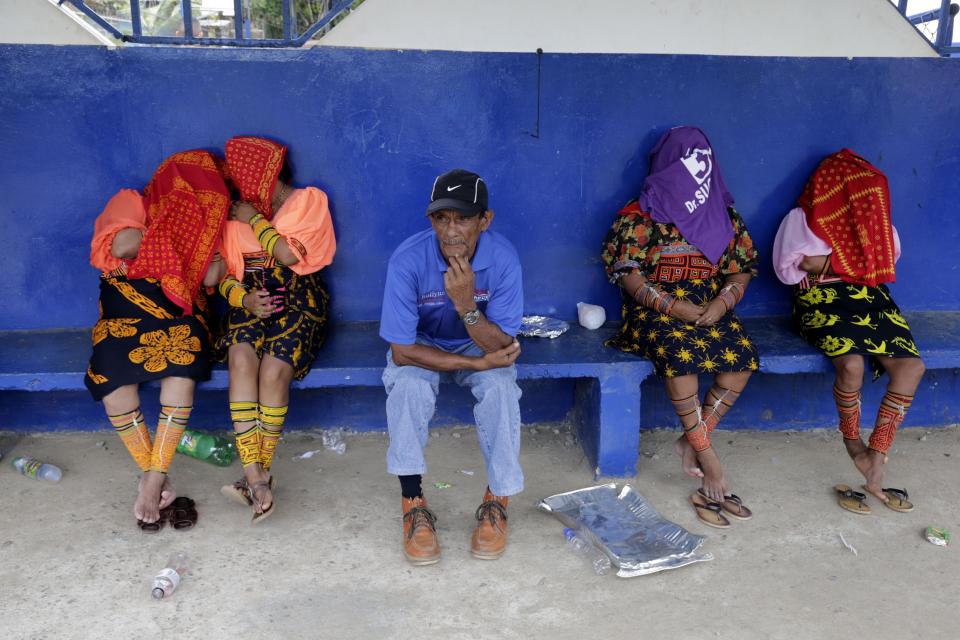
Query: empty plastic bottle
point(168, 579)
point(203, 446)
point(598, 559)
point(33, 468)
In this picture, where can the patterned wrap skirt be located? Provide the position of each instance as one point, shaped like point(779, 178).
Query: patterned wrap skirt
point(841, 319)
point(676, 348)
point(141, 335)
point(296, 334)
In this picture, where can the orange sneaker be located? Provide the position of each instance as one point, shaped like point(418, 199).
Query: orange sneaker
point(420, 544)
point(490, 536)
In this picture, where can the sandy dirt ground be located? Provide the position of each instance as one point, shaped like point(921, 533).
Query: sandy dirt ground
point(328, 563)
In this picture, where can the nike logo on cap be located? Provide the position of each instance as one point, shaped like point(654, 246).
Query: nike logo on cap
point(454, 188)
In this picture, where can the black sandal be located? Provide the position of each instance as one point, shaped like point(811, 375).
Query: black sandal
point(183, 513)
point(852, 500)
point(898, 500)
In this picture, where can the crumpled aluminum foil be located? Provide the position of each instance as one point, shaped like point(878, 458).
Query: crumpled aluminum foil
point(542, 327)
point(623, 525)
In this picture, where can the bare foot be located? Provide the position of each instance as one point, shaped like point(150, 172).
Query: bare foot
point(147, 506)
point(688, 458)
point(870, 464)
point(167, 492)
point(854, 447)
point(261, 495)
point(714, 483)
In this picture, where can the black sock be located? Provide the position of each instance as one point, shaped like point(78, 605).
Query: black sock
point(410, 486)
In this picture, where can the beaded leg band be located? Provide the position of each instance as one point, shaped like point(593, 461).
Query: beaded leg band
point(893, 409)
point(271, 421)
point(848, 406)
point(718, 401)
point(246, 431)
point(691, 417)
point(173, 420)
point(133, 432)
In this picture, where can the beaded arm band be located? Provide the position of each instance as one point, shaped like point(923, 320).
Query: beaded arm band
point(652, 298)
point(266, 235)
point(731, 294)
point(231, 289)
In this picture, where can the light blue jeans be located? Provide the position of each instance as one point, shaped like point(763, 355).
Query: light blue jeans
point(411, 401)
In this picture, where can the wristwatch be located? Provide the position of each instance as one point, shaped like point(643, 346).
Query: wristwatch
point(471, 318)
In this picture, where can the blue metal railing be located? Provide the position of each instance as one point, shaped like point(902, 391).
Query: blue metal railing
point(944, 17)
point(241, 25)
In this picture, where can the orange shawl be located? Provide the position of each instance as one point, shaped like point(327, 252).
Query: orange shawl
point(305, 223)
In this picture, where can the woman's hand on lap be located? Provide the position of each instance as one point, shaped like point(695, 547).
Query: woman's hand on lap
point(259, 303)
point(714, 311)
point(686, 311)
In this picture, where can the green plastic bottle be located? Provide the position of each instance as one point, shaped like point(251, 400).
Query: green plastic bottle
point(203, 446)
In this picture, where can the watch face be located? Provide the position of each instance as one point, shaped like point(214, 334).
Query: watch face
point(471, 317)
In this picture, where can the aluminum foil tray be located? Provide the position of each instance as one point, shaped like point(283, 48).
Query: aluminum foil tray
point(542, 327)
point(623, 525)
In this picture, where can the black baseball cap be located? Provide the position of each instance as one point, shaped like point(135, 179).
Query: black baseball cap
point(463, 191)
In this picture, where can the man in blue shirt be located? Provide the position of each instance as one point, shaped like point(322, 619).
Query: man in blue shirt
point(452, 303)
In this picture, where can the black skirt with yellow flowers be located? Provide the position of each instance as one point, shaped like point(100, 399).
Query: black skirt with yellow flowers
point(676, 348)
point(840, 319)
point(296, 334)
point(142, 335)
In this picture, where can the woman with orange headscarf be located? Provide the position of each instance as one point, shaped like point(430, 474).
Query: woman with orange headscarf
point(839, 248)
point(276, 242)
point(155, 251)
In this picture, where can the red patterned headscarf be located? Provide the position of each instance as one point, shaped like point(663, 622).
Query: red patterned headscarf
point(847, 203)
point(255, 165)
point(186, 202)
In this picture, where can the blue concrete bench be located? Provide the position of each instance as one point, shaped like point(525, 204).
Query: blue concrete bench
point(354, 356)
point(608, 383)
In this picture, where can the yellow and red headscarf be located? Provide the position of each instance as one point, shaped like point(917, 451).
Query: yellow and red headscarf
point(186, 203)
point(847, 203)
point(255, 164)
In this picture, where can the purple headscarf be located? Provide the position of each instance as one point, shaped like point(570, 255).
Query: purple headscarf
point(685, 187)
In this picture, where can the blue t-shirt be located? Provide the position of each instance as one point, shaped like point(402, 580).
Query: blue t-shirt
point(415, 302)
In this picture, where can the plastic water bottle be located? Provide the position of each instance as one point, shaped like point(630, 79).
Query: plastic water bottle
point(168, 580)
point(203, 446)
point(33, 468)
point(598, 559)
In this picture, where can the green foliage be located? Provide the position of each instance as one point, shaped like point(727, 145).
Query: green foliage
point(267, 15)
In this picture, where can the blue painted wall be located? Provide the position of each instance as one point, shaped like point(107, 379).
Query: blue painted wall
point(373, 128)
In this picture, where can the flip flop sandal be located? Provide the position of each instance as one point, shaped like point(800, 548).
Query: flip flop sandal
point(735, 508)
point(733, 505)
point(899, 500)
point(183, 513)
point(263, 515)
point(852, 500)
point(238, 492)
point(708, 512)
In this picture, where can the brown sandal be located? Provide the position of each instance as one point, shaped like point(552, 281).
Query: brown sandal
point(182, 513)
point(733, 505)
point(263, 515)
point(852, 500)
point(898, 500)
point(708, 512)
point(238, 492)
point(152, 527)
